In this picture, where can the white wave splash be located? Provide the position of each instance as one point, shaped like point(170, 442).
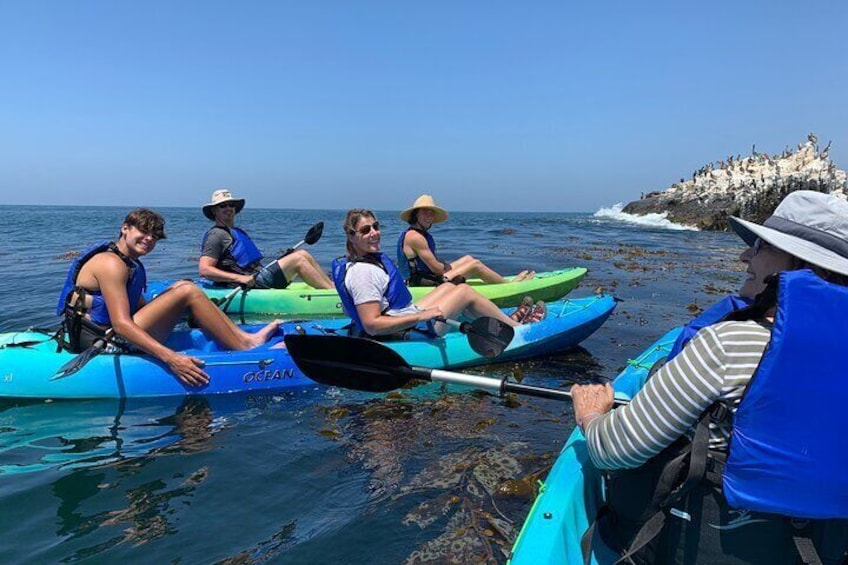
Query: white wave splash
point(648, 220)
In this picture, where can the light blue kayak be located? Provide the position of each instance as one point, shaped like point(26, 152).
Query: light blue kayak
point(29, 361)
point(570, 497)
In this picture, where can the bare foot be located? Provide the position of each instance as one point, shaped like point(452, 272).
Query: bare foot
point(264, 334)
point(520, 276)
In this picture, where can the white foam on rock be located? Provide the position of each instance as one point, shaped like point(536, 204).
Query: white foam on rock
point(658, 220)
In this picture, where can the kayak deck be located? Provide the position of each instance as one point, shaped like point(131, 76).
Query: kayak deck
point(572, 492)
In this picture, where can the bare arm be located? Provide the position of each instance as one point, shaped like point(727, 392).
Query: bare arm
point(209, 270)
point(111, 276)
point(376, 323)
point(418, 244)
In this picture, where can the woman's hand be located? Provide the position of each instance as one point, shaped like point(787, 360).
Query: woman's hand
point(188, 369)
point(591, 401)
point(429, 314)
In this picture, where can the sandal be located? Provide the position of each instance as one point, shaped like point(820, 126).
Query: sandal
point(536, 314)
point(523, 310)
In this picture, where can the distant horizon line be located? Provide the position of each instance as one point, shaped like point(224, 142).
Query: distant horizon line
point(295, 209)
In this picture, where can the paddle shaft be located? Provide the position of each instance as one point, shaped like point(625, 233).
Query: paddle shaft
point(500, 386)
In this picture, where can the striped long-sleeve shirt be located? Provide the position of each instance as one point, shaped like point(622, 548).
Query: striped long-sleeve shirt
point(716, 365)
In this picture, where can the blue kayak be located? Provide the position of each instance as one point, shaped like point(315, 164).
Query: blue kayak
point(29, 361)
point(569, 499)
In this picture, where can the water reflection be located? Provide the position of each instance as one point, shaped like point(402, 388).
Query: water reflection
point(37, 436)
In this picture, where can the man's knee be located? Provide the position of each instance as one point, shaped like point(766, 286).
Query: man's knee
point(293, 260)
point(185, 289)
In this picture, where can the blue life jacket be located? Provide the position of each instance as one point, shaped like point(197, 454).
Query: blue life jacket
point(136, 283)
point(415, 267)
point(397, 293)
point(708, 317)
point(787, 450)
point(242, 254)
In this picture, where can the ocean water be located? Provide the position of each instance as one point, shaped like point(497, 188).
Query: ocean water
point(321, 475)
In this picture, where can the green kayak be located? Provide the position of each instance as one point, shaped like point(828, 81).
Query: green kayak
point(301, 300)
point(569, 499)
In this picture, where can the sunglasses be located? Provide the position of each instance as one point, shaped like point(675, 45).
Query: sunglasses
point(366, 229)
point(759, 244)
point(227, 205)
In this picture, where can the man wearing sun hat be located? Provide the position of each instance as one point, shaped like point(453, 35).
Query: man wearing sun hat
point(416, 250)
point(229, 256)
point(757, 404)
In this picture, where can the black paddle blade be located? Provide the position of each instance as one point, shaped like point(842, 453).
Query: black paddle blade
point(79, 361)
point(350, 362)
point(314, 233)
point(488, 336)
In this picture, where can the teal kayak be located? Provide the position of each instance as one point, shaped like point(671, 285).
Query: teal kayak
point(568, 501)
point(29, 361)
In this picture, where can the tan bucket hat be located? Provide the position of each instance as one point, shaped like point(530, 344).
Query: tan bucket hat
point(425, 201)
point(809, 225)
point(219, 197)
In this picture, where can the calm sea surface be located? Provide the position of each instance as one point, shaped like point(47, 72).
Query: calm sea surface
point(320, 475)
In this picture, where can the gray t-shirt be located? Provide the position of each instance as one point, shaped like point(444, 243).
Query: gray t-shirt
point(215, 243)
point(367, 282)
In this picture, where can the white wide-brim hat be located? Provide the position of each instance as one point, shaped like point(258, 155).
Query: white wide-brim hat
point(425, 201)
point(810, 225)
point(219, 197)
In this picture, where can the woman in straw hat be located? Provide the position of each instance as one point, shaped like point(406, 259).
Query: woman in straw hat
point(229, 256)
point(758, 401)
point(378, 302)
point(416, 251)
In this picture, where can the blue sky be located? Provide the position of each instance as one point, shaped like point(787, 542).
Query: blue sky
point(523, 106)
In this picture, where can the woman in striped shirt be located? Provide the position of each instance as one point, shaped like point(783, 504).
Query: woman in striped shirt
point(720, 360)
point(808, 230)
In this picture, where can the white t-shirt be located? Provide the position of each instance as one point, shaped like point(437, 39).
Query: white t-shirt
point(367, 282)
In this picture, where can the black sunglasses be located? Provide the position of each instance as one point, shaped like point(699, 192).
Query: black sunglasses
point(366, 229)
point(227, 205)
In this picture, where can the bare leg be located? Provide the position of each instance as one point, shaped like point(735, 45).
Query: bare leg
point(462, 299)
point(469, 267)
point(302, 264)
point(159, 317)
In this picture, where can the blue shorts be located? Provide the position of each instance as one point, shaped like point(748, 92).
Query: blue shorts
point(272, 277)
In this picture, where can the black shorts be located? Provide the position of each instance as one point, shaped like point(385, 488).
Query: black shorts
point(272, 277)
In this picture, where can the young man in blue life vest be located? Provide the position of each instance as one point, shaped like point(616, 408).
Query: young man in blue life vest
point(103, 291)
point(416, 251)
point(229, 256)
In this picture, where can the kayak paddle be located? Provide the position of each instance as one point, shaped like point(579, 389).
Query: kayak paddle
point(312, 236)
point(364, 364)
point(486, 336)
point(84, 357)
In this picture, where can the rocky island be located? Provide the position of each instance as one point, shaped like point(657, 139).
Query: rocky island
point(749, 187)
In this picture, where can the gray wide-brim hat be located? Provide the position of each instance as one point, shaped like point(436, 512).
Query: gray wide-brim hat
point(219, 197)
point(810, 225)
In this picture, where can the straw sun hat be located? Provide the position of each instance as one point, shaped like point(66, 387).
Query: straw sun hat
point(425, 201)
point(219, 197)
point(809, 225)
